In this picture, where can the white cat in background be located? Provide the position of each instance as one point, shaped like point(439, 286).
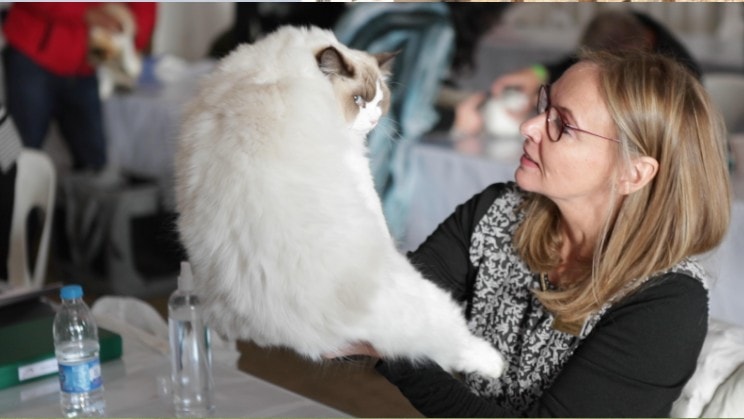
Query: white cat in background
point(502, 116)
point(279, 214)
point(500, 113)
point(113, 53)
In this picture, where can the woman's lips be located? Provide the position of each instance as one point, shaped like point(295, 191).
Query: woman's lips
point(527, 161)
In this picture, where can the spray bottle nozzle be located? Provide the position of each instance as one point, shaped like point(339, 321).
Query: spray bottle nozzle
point(185, 278)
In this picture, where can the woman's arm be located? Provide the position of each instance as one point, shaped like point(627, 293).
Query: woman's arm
point(436, 393)
point(633, 364)
point(639, 356)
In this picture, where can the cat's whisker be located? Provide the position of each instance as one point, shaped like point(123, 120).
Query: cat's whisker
point(390, 129)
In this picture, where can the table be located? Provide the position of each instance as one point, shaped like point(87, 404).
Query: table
point(142, 126)
point(136, 386)
point(446, 178)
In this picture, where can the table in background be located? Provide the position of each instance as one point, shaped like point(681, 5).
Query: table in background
point(446, 178)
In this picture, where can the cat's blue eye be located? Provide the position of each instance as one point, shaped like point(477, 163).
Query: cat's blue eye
point(358, 100)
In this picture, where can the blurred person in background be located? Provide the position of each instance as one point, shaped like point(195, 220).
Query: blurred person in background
point(48, 75)
point(254, 20)
point(610, 30)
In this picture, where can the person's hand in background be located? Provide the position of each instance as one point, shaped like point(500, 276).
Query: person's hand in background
point(528, 80)
point(468, 117)
point(98, 16)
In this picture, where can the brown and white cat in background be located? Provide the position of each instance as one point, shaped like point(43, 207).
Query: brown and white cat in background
point(280, 218)
point(113, 53)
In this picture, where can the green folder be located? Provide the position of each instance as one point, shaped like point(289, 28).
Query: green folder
point(27, 350)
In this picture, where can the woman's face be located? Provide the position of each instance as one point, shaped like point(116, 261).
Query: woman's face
point(578, 168)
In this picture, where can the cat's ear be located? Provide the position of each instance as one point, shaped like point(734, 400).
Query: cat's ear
point(332, 63)
point(385, 60)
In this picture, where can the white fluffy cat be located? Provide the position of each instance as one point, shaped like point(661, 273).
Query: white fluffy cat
point(279, 214)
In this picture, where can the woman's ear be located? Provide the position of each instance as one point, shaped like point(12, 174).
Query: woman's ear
point(640, 172)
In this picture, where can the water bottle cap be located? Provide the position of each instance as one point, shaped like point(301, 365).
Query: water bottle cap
point(69, 292)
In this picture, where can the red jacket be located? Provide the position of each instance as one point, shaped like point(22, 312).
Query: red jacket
point(55, 35)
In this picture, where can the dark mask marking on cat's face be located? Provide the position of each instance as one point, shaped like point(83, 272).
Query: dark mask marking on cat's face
point(356, 79)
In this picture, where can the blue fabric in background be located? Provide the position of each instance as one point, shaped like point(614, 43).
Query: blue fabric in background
point(424, 35)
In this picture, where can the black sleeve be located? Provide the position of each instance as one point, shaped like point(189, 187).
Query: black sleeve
point(436, 393)
point(443, 257)
point(633, 364)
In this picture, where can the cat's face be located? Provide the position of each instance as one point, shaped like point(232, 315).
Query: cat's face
point(359, 84)
point(369, 111)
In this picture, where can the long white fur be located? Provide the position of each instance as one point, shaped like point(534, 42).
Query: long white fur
point(282, 224)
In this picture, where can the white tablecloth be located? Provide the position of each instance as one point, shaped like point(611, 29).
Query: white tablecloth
point(137, 384)
point(446, 178)
point(137, 393)
point(142, 126)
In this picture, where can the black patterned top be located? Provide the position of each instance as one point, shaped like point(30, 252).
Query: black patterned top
point(631, 358)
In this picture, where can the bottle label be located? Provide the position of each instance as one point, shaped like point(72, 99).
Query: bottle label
point(80, 378)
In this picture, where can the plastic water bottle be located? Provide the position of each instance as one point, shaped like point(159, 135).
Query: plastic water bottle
point(77, 348)
point(191, 361)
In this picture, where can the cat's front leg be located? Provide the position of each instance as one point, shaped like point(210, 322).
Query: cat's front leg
point(479, 356)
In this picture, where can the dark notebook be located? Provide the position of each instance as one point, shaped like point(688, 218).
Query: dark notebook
point(27, 344)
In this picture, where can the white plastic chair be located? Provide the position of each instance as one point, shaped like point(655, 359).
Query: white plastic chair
point(727, 92)
point(35, 188)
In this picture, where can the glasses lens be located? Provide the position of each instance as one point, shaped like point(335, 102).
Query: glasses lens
point(542, 99)
point(554, 124)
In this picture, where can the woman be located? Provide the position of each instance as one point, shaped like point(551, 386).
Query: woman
point(579, 273)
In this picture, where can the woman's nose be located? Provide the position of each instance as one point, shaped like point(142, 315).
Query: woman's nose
point(533, 128)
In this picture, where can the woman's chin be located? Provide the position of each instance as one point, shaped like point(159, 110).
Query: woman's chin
point(525, 180)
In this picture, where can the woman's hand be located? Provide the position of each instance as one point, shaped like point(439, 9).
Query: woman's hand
point(525, 80)
point(468, 118)
point(358, 348)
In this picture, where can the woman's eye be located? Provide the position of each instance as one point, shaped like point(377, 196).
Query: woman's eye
point(562, 127)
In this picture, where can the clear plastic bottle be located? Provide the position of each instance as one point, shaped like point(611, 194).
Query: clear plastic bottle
point(77, 348)
point(191, 361)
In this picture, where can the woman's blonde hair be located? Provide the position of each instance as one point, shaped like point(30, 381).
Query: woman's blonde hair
point(662, 111)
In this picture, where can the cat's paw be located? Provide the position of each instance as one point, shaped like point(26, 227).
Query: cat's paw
point(482, 358)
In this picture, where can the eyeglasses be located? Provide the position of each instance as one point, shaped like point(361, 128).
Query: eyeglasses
point(554, 123)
